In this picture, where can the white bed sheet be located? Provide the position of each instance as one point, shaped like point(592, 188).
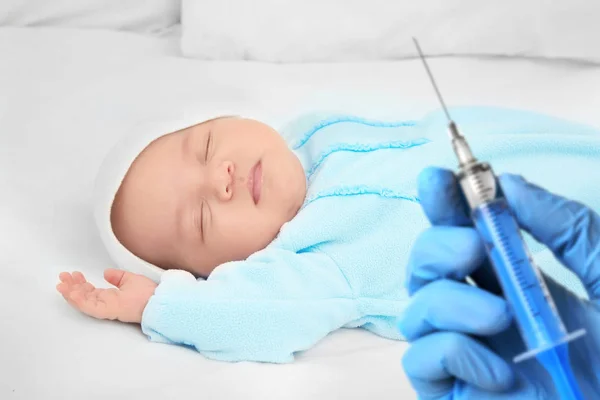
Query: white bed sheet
point(65, 96)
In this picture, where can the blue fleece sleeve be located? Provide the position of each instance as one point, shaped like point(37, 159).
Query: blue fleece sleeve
point(263, 309)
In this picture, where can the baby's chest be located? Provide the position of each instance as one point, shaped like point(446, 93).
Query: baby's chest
point(388, 171)
point(365, 207)
point(369, 237)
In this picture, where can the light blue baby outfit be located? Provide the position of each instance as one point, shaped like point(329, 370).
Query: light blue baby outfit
point(341, 262)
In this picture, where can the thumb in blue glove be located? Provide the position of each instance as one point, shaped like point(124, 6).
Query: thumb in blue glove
point(462, 337)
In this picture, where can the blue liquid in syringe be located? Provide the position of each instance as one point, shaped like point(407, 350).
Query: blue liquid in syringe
point(523, 285)
point(521, 282)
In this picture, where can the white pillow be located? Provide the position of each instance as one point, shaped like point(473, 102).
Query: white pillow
point(353, 30)
point(142, 16)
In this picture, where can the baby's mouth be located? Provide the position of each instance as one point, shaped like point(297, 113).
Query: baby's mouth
point(255, 181)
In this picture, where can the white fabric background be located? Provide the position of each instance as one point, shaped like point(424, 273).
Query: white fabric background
point(142, 16)
point(350, 30)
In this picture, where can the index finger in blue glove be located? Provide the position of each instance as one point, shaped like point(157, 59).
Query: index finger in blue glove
point(443, 252)
point(441, 199)
point(444, 204)
point(570, 229)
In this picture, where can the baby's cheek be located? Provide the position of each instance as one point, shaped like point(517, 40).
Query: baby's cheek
point(256, 232)
point(238, 230)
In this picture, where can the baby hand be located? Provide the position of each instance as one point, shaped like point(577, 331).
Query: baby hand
point(126, 303)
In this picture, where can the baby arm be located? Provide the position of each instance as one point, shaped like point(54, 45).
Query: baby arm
point(263, 309)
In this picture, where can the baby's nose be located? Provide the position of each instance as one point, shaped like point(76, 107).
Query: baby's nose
point(223, 180)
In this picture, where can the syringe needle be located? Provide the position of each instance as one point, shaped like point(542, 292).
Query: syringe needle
point(461, 148)
point(453, 130)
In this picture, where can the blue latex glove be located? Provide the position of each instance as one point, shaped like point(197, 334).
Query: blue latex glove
point(462, 337)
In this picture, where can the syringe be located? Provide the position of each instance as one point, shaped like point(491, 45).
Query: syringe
point(522, 283)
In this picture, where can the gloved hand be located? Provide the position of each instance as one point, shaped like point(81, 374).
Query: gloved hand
point(462, 337)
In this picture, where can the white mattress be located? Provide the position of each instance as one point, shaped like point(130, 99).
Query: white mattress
point(65, 96)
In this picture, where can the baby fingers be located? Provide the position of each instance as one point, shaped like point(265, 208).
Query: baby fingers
point(66, 278)
point(78, 277)
point(72, 286)
point(63, 289)
point(66, 290)
point(447, 305)
point(92, 304)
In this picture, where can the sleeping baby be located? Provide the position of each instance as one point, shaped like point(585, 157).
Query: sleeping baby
point(249, 244)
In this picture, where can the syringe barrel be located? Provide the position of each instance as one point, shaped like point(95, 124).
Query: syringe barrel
point(521, 281)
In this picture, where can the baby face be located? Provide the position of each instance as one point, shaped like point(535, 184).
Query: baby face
point(212, 193)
